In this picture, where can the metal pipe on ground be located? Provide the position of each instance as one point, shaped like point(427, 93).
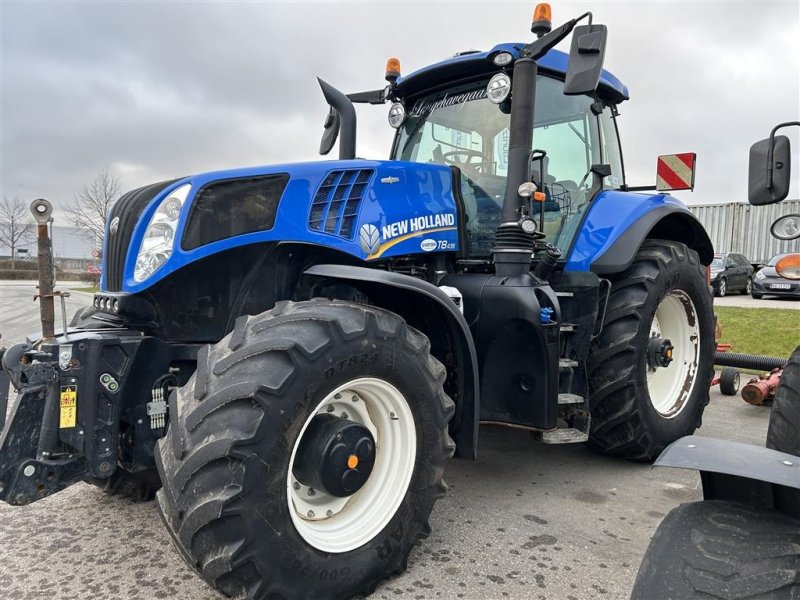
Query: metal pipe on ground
point(748, 361)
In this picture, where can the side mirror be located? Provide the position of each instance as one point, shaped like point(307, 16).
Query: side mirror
point(769, 179)
point(586, 55)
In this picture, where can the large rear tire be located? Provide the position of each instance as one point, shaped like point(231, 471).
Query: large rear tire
point(242, 437)
point(638, 407)
point(720, 549)
point(784, 419)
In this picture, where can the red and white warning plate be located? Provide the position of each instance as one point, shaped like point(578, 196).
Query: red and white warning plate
point(675, 171)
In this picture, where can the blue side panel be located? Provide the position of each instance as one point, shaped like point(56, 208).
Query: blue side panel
point(407, 208)
point(610, 215)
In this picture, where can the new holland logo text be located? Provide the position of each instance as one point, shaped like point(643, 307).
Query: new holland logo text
point(374, 242)
point(416, 224)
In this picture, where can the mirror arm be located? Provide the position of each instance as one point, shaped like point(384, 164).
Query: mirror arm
point(544, 44)
point(772, 146)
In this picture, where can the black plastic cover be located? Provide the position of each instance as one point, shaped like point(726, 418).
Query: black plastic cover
point(231, 207)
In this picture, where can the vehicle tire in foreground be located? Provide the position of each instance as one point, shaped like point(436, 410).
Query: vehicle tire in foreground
point(729, 380)
point(748, 288)
point(303, 458)
point(651, 367)
point(784, 419)
point(719, 549)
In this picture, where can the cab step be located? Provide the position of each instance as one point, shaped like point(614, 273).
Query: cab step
point(561, 436)
point(566, 363)
point(567, 327)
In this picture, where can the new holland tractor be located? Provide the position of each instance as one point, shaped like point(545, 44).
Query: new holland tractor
point(293, 352)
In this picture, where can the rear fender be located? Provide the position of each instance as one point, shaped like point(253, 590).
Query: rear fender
point(739, 472)
point(429, 309)
point(618, 223)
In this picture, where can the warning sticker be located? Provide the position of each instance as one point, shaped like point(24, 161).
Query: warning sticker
point(69, 406)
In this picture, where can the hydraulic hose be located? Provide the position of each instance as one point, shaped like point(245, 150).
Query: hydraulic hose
point(749, 361)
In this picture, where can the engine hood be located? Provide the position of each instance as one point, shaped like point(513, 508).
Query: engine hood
point(371, 210)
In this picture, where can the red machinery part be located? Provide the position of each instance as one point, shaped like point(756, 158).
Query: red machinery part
point(761, 389)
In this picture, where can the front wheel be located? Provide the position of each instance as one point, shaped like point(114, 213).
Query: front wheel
point(304, 456)
point(651, 367)
point(748, 288)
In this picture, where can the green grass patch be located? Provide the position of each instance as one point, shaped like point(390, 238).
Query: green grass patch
point(764, 331)
point(91, 290)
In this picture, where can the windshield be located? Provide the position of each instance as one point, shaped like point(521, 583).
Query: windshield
point(718, 262)
point(461, 127)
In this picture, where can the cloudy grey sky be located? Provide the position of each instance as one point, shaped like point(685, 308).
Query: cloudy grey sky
point(163, 89)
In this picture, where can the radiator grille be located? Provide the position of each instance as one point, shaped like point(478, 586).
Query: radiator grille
point(335, 206)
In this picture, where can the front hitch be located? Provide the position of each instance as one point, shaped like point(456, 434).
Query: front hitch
point(30, 466)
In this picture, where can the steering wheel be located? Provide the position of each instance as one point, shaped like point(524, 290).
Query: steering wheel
point(450, 157)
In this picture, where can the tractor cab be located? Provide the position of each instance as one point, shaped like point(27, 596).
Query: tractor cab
point(466, 124)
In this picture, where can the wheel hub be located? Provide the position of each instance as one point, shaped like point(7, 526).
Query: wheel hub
point(336, 456)
point(659, 352)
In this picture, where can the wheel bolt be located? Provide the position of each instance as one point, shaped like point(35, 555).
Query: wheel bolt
point(296, 485)
point(330, 408)
point(345, 415)
point(329, 513)
point(354, 398)
point(310, 513)
point(337, 396)
point(311, 491)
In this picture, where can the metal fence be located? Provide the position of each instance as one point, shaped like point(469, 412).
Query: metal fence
point(740, 227)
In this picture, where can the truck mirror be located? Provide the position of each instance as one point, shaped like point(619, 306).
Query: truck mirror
point(586, 56)
point(761, 189)
point(675, 172)
point(331, 131)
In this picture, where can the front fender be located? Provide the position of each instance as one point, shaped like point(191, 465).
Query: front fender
point(739, 472)
point(618, 222)
point(430, 310)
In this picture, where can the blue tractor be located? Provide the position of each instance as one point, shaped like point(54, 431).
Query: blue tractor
point(293, 352)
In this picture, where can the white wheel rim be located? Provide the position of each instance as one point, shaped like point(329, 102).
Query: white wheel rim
point(336, 525)
point(671, 387)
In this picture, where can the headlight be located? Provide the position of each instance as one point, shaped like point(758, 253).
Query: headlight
point(159, 237)
point(499, 88)
point(789, 266)
point(501, 59)
point(760, 275)
point(397, 114)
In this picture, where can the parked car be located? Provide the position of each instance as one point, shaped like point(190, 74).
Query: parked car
point(769, 281)
point(731, 272)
